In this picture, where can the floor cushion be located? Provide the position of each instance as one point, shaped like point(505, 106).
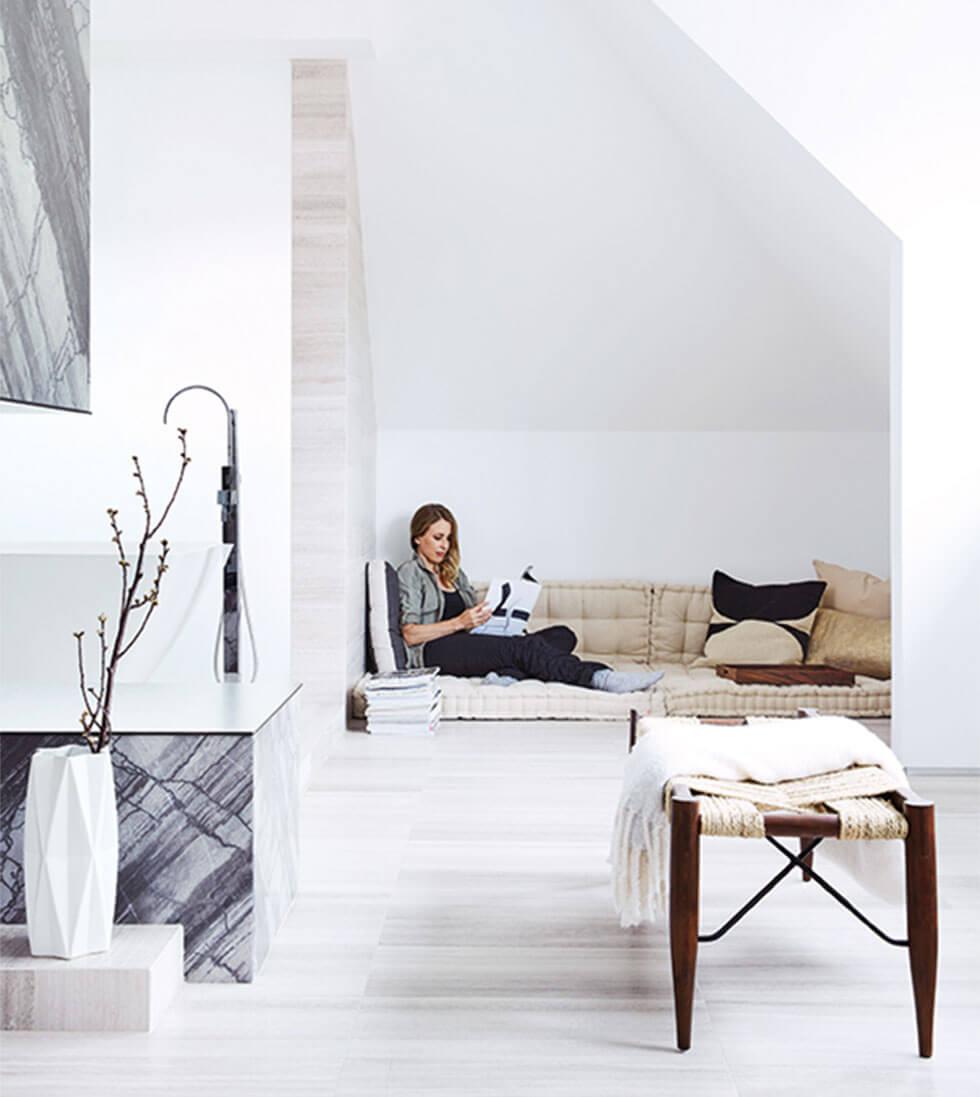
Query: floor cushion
point(700, 692)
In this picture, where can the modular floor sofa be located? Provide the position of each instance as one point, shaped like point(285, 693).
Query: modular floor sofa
point(638, 624)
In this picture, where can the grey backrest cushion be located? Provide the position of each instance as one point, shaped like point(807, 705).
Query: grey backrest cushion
point(385, 646)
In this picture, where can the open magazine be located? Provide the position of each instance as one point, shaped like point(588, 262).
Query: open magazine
point(512, 601)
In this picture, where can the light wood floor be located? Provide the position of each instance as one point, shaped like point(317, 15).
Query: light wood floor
point(454, 935)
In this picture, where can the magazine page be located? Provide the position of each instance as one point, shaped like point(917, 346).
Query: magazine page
point(511, 601)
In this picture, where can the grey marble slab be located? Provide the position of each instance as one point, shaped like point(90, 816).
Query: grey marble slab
point(44, 203)
point(208, 837)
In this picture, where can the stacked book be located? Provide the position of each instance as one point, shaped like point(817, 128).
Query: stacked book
point(404, 702)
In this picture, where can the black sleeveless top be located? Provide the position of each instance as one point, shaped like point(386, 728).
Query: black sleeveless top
point(454, 604)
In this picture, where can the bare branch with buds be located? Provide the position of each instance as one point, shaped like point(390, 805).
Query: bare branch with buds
point(96, 719)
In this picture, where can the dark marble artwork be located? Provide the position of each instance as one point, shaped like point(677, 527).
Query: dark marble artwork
point(191, 849)
point(44, 203)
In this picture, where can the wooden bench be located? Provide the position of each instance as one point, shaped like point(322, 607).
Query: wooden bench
point(810, 827)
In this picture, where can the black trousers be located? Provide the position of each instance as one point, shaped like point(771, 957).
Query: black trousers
point(545, 655)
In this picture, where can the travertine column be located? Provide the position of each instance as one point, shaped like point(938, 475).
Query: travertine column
point(333, 429)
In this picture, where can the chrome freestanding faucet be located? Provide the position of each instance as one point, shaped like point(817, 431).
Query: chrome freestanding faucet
point(234, 598)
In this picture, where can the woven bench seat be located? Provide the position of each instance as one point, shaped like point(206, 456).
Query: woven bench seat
point(851, 797)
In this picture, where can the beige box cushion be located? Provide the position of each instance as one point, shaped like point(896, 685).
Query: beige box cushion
point(682, 692)
point(852, 642)
point(852, 591)
point(679, 624)
point(470, 699)
point(609, 618)
point(467, 699)
point(700, 692)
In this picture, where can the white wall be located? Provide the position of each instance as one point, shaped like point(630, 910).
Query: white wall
point(190, 256)
point(659, 506)
point(886, 96)
point(533, 214)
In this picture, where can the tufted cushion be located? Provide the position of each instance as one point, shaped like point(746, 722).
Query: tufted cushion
point(609, 618)
point(700, 692)
point(683, 692)
point(680, 624)
point(470, 699)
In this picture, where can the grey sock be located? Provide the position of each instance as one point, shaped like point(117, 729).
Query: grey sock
point(495, 679)
point(625, 681)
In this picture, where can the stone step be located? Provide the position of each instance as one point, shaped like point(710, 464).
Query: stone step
point(127, 989)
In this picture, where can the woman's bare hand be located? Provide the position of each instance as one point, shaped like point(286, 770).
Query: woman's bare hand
point(475, 616)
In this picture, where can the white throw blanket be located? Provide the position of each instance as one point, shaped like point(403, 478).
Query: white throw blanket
point(764, 750)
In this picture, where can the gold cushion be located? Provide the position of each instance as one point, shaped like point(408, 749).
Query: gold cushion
point(855, 591)
point(851, 642)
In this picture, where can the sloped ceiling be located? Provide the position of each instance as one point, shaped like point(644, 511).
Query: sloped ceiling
point(574, 220)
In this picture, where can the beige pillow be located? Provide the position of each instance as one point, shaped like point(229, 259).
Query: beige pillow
point(857, 592)
point(849, 641)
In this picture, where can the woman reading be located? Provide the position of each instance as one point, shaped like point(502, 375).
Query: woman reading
point(439, 608)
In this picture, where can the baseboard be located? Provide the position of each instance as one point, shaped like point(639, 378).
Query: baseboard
point(942, 771)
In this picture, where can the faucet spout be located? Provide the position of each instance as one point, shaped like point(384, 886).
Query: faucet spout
point(229, 413)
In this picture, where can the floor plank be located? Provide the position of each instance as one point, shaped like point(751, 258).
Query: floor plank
point(454, 935)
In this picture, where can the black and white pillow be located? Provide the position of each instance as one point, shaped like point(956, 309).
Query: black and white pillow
point(761, 624)
point(385, 646)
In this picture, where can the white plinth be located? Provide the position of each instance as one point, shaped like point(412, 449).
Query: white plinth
point(126, 989)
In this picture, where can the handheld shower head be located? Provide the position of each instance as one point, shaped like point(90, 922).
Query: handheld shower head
point(234, 597)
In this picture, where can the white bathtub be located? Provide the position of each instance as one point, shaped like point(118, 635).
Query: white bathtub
point(50, 590)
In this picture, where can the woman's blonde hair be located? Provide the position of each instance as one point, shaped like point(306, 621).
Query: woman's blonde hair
point(422, 519)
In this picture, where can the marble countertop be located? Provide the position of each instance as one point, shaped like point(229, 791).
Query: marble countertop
point(180, 708)
point(96, 548)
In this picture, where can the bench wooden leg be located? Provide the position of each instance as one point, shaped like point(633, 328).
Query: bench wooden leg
point(684, 886)
point(922, 915)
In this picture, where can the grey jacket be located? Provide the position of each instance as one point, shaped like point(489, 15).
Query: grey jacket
point(422, 599)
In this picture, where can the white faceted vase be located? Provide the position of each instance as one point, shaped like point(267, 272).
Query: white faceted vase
point(71, 851)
